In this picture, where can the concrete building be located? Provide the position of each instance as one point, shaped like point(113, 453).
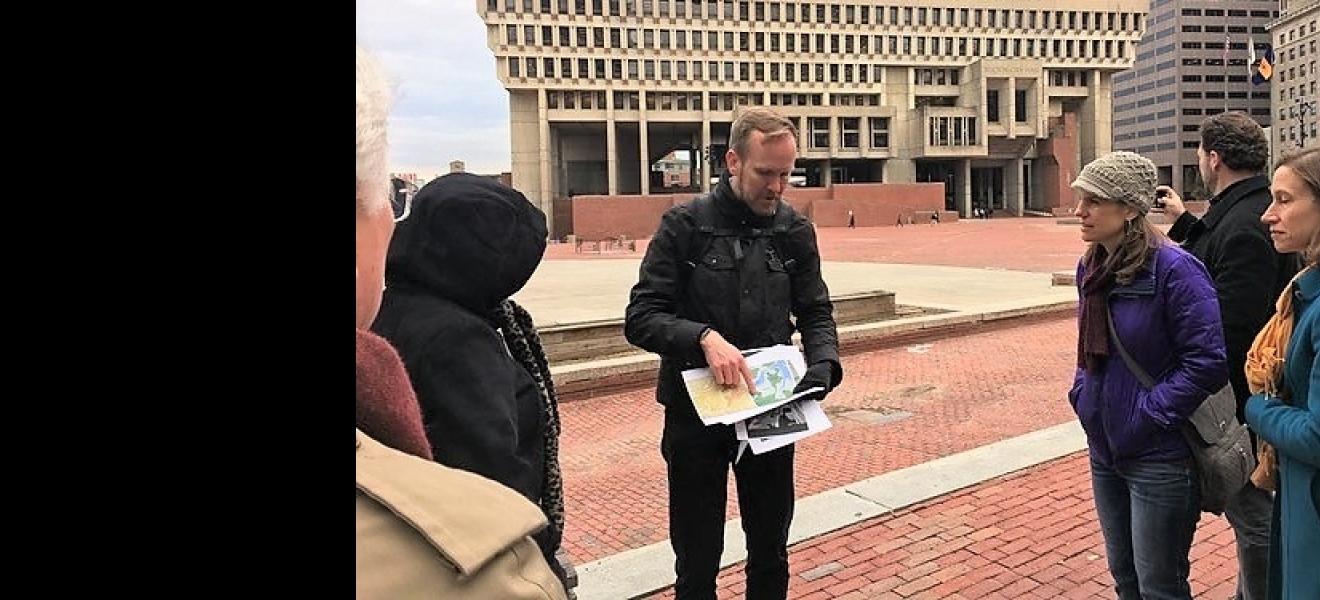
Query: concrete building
point(981, 95)
point(1184, 73)
point(1294, 95)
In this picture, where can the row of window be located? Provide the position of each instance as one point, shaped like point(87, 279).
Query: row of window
point(1146, 133)
point(1294, 52)
point(818, 133)
point(840, 14)
point(1212, 95)
point(819, 43)
point(1300, 91)
point(1291, 34)
point(1260, 48)
point(1192, 112)
point(1121, 108)
point(938, 76)
point(1213, 78)
point(1291, 133)
point(952, 131)
point(1219, 12)
point(1294, 72)
point(1019, 106)
point(682, 70)
point(1222, 29)
point(1144, 71)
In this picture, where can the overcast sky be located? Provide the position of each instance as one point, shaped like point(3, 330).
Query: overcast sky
point(448, 103)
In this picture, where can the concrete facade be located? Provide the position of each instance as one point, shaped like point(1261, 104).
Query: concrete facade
point(1183, 74)
point(1294, 94)
point(959, 93)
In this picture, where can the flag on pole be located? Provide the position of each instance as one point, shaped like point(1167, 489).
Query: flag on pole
point(1251, 62)
point(1265, 68)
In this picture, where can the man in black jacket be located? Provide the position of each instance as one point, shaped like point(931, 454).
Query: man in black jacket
point(725, 272)
point(1236, 248)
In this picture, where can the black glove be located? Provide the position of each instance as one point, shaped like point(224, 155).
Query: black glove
point(819, 375)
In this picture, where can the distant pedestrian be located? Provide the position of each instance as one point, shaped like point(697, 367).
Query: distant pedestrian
point(852, 220)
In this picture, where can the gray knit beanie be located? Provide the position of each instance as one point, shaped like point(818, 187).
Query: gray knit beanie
point(1120, 177)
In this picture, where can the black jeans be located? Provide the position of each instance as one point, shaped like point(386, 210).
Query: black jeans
point(698, 459)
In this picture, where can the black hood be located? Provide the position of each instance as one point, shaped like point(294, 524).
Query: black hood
point(470, 240)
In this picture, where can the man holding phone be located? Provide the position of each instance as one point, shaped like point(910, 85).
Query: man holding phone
point(1237, 251)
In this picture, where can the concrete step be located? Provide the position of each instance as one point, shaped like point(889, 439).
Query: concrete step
point(580, 380)
point(604, 339)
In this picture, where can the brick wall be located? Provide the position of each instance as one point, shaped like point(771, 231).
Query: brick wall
point(1057, 165)
point(878, 204)
point(875, 204)
point(634, 216)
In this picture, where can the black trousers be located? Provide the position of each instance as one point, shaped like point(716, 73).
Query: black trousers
point(698, 459)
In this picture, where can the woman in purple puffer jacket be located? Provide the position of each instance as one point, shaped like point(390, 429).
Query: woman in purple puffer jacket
point(1166, 314)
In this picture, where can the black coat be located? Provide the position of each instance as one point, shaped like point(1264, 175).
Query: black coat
point(469, 245)
point(1237, 250)
point(738, 278)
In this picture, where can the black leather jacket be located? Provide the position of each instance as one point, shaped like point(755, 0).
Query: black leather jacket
point(714, 263)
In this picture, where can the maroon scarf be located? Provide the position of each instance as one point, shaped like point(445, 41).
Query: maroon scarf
point(387, 408)
point(1093, 321)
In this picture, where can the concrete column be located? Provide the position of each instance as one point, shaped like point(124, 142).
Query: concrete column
point(643, 142)
point(1011, 115)
point(964, 195)
point(900, 170)
point(1015, 187)
point(611, 144)
point(826, 173)
point(802, 135)
point(835, 135)
point(545, 196)
point(525, 142)
point(1095, 124)
point(705, 147)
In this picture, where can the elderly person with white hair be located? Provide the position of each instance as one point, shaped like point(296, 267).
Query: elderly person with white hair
point(423, 530)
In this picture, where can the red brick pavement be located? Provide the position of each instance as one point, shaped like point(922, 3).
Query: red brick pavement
point(1030, 534)
point(961, 393)
point(1025, 244)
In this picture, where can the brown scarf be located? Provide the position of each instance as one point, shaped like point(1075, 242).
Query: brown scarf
point(1264, 371)
point(1093, 322)
point(387, 408)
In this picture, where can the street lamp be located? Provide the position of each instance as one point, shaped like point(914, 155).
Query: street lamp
point(1300, 110)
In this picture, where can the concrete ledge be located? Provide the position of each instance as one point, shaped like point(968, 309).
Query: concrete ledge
point(579, 380)
point(604, 338)
point(642, 571)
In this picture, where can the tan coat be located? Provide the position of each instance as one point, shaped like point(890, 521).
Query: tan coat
point(427, 531)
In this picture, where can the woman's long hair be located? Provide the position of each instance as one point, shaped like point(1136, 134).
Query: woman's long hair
point(1140, 239)
point(1306, 164)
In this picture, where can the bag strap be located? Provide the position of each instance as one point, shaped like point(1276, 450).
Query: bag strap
point(1132, 365)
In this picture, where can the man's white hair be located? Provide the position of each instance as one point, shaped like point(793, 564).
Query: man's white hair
point(373, 104)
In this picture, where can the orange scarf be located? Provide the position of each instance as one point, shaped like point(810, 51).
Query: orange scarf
point(1264, 371)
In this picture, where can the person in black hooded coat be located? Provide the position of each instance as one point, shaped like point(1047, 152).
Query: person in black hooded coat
point(469, 244)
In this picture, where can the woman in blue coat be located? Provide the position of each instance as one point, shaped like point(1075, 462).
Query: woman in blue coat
point(1292, 425)
point(1166, 314)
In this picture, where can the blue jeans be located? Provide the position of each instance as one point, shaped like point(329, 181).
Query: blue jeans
point(1148, 513)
